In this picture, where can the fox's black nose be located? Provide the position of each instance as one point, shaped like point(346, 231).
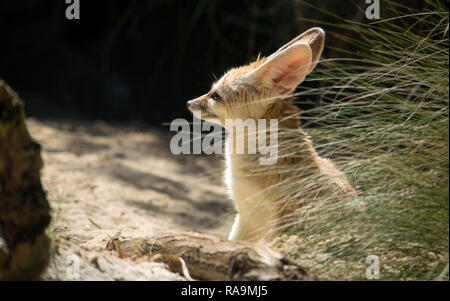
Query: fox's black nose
point(189, 103)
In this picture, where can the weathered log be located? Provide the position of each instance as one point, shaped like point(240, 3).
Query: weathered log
point(209, 257)
point(24, 209)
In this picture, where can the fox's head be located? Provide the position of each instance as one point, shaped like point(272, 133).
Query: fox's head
point(248, 92)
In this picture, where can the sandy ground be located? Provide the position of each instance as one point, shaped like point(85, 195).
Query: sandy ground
point(103, 180)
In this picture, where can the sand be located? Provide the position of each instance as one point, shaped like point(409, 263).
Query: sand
point(103, 180)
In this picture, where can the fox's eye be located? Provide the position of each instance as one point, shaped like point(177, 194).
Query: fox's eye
point(215, 96)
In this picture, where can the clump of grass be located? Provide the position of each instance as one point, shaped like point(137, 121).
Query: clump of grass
point(383, 119)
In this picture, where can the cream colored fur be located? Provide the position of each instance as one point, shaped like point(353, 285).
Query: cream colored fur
point(261, 90)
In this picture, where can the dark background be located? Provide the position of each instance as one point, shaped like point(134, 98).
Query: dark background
point(142, 60)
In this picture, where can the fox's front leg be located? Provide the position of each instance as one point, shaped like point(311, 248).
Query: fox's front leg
point(251, 228)
point(243, 231)
point(235, 231)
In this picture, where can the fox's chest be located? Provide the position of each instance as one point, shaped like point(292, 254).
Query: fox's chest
point(242, 188)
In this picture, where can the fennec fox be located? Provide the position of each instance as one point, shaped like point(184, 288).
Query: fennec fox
point(261, 90)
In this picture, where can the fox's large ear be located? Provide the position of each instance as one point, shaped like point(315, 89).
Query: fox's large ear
point(314, 38)
point(288, 66)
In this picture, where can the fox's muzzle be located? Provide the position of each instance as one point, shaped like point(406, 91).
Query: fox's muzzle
point(197, 104)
